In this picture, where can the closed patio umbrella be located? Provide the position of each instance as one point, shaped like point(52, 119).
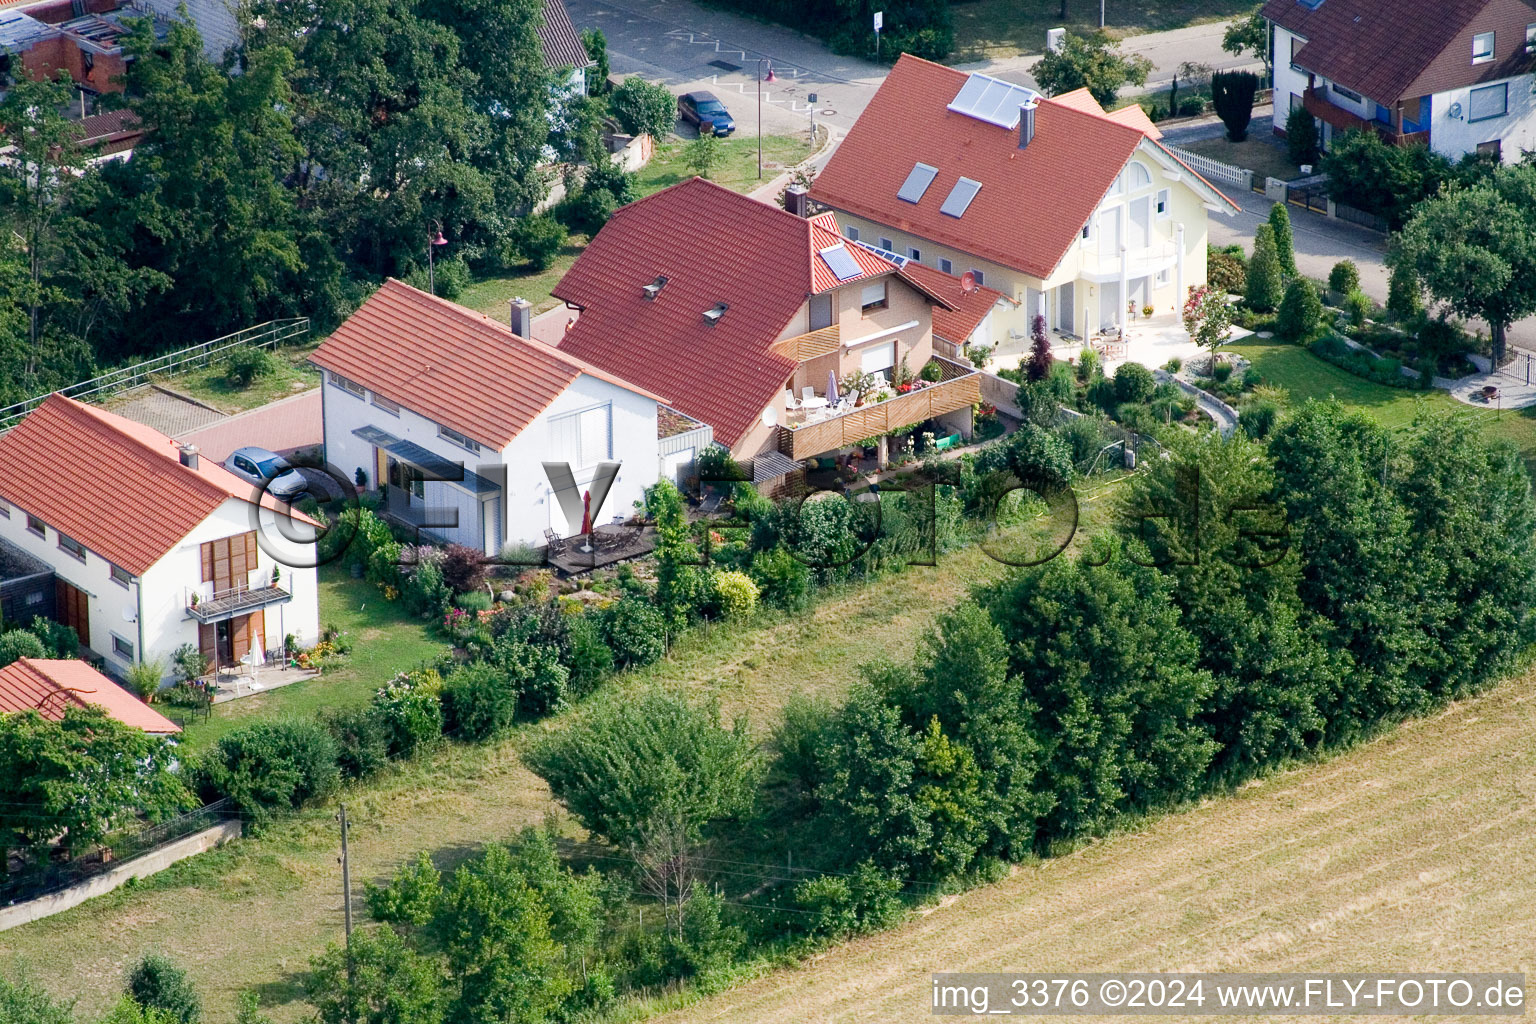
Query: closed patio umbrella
point(832, 398)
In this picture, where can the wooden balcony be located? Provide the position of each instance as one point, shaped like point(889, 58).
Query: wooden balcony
point(1343, 121)
point(959, 387)
point(804, 347)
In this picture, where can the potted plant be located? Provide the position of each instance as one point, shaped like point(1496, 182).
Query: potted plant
point(277, 574)
point(195, 599)
point(361, 478)
point(1146, 311)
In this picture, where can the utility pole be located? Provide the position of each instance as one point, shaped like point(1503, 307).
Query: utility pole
point(346, 884)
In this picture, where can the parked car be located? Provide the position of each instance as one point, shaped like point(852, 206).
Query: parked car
point(701, 108)
point(258, 465)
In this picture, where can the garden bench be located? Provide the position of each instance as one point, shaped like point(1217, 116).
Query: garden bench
point(944, 444)
point(554, 543)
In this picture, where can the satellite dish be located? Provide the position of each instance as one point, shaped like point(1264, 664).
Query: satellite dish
point(770, 417)
point(1455, 111)
point(968, 282)
point(129, 615)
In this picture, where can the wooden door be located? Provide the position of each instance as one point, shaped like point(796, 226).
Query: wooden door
point(72, 607)
point(207, 642)
point(239, 637)
point(229, 561)
point(258, 630)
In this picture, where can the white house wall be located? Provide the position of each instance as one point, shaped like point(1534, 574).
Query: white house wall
point(1289, 81)
point(1516, 130)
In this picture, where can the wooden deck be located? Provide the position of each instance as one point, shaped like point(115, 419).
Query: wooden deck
point(572, 561)
point(960, 388)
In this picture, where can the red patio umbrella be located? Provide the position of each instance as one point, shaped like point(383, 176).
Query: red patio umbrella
point(586, 513)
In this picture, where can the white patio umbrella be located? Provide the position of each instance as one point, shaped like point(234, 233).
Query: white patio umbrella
point(832, 398)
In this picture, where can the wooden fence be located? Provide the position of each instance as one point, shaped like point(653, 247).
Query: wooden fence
point(962, 388)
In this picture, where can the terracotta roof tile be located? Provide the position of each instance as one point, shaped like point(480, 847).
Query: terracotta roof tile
point(114, 485)
point(965, 312)
point(1380, 49)
point(48, 686)
point(561, 41)
point(458, 367)
point(1032, 202)
point(713, 245)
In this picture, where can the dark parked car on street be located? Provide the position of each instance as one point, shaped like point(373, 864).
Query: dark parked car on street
point(701, 108)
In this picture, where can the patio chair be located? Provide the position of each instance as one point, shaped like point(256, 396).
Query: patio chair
point(807, 392)
point(554, 543)
point(791, 403)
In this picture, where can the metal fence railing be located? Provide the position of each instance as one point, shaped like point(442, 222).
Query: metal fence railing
point(265, 335)
point(39, 880)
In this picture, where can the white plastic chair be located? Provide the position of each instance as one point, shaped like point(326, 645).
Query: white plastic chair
point(807, 392)
point(789, 400)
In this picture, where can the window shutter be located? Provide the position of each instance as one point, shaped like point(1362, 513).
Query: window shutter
point(596, 436)
point(565, 439)
point(207, 561)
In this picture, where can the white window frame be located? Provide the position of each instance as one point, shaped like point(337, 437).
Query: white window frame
point(122, 577)
point(851, 232)
point(462, 440)
point(70, 546)
point(866, 300)
point(1162, 278)
point(588, 436)
point(122, 648)
point(38, 530)
point(351, 387)
point(887, 245)
point(1163, 203)
point(914, 254)
point(979, 277)
point(873, 358)
point(1480, 55)
point(1502, 88)
point(947, 266)
point(380, 402)
point(1346, 92)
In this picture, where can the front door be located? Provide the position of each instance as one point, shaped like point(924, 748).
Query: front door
point(224, 643)
point(72, 607)
point(1065, 308)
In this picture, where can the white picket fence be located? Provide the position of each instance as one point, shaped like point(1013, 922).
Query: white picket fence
point(1214, 170)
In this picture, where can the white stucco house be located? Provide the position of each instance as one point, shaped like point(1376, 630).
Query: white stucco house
point(152, 546)
point(1455, 75)
point(1067, 211)
point(456, 417)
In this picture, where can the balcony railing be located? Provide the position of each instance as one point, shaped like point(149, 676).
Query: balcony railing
point(207, 604)
point(804, 347)
point(1346, 120)
point(958, 387)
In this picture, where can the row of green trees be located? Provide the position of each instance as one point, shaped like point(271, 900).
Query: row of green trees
point(352, 128)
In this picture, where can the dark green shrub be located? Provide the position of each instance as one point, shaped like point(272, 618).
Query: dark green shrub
point(1344, 277)
point(643, 108)
point(1258, 418)
point(635, 631)
point(864, 900)
point(1301, 142)
point(61, 641)
point(537, 239)
point(1086, 435)
point(1226, 271)
point(614, 180)
point(249, 364)
point(1191, 107)
point(1300, 312)
point(155, 982)
point(782, 579)
point(533, 670)
point(1133, 382)
point(479, 701)
point(362, 743)
point(1221, 371)
point(588, 658)
point(279, 764)
point(1359, 306)
point(1265, 282)
point(1232, 95)
point(715, 464)
point(18, 643)
point(425, 592)
point(587, 210)
point(474, 601)
point(1404, 293)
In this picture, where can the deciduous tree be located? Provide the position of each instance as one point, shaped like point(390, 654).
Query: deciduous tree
point(1093, 62)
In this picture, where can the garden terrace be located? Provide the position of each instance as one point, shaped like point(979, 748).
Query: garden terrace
point(958, 387)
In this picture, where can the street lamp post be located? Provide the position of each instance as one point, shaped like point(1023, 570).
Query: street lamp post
point(434, 239)
point(761, 61)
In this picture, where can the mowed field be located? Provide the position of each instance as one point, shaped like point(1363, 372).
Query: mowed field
point(1414, 852)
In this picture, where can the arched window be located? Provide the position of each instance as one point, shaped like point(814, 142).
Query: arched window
point(1136, 176)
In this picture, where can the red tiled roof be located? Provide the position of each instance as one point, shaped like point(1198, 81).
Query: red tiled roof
point(1032, 202)
point(965, 312)
point(713, 245)
point(1380, 49)
point(455, 366)
point(48, 686)
point(107, 125)
point(114, 485)
point(561, 41)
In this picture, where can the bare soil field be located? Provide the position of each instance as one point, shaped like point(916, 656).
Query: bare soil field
point(1414, 852)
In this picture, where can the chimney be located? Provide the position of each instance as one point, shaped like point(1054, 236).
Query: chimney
point(189, 456)
point(1027, 123)
point(522, 317)
point(654, 288)
point(797, 200)
point(712, 316)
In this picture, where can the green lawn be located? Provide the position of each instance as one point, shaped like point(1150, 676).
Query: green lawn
point(1305, 376)
point(385, 640)
point(212, 386)
point(738, 165)
point(1259, 155)
point(492, 295)
point(1007, 28)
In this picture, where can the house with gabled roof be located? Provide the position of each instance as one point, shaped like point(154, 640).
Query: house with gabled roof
point(50, 686)
point(747, 314)
point(151, 545)
point(1456, 75)
point(563, 50)
point(1069, 211)
point(453, 416)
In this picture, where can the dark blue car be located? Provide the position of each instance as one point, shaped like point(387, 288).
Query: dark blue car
point(701, 108)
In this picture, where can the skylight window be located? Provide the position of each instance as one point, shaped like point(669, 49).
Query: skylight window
point(959, 199)
point(841, 262)
point(917, 183)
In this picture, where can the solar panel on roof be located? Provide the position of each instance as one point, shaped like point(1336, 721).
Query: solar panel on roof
point(960, 197)
point(917, 183)
point(841, 262)
point(992, 100)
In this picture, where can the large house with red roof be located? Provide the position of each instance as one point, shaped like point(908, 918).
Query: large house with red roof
point(151, 545)
point(1070, 212)
point(479, 436)
point(50, 686)
point(747, 315)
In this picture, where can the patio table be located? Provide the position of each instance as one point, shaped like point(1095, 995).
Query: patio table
point(814, 402)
